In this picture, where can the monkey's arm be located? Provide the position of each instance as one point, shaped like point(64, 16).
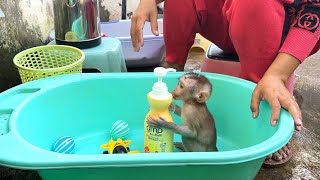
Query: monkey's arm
point(176, 109)
point(183, 130)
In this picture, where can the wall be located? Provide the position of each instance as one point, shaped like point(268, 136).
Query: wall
point(27, 23)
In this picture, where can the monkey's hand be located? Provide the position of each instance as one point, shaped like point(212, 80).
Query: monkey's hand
point(183, 130)
point(173, 108)
point(157, 122)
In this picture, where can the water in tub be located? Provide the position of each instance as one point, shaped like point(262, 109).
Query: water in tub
point(91, 144)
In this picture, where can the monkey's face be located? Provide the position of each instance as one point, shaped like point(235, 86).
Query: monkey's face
point(192, 88)
point(176, 91)
point(183, 91)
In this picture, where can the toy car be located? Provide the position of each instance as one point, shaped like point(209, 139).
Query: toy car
point(118, 147)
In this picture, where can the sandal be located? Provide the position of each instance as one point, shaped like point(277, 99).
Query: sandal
point(272, 162)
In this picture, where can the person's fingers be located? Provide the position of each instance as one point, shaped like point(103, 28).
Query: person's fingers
point(136, 31)
point(154, 23)
point(295, 112)
point(139, 31)
point(275, 108)
point(133, 33)
point(292, 106)
point(255, 102)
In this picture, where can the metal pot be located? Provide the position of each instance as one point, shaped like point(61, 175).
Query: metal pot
point(77, 23)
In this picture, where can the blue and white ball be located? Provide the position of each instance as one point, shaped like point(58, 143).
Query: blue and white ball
point(64, 144)
point(120, 129)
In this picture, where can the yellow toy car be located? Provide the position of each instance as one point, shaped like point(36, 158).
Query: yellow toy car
point(118, 147)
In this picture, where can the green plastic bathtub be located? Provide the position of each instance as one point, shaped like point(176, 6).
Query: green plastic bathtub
point(84, 106)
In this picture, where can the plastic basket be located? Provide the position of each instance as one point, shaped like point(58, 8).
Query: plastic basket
point(50, 60)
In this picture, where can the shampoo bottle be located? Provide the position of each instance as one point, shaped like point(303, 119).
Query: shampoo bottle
point(158, 140)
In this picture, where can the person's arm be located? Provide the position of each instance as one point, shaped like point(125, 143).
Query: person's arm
point(304, 32)
point(147, 10)
point(299, 43)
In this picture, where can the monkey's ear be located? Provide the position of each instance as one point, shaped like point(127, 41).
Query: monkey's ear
point(203, 96)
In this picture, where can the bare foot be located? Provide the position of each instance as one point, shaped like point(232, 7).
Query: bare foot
point(278, 158)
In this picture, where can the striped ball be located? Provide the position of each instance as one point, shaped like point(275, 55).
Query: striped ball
point(64, 144)
point(120, 129)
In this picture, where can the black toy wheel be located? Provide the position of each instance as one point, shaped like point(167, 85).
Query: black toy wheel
point(105, 152)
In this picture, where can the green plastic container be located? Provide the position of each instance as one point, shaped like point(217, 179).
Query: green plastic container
point(84, 106)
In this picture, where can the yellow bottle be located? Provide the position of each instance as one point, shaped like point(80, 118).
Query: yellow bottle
point(158, 140)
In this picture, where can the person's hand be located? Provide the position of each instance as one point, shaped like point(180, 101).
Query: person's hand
point(146, 11)
point(272, 88)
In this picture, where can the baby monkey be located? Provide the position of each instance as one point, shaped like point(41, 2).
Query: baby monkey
point(198, 130)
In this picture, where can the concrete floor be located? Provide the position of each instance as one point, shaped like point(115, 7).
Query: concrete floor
point(305, 163)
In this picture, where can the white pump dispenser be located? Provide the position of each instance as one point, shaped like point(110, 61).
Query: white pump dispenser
point(160, 89)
